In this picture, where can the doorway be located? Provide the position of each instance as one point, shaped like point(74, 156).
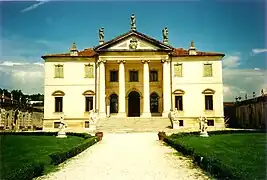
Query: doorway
point(134, 104)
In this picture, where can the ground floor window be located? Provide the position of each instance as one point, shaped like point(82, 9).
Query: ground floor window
point(208, 102)
point(181, 122)
point(210, 122)
point(56, 124)
point(89, 103)
point(86, 125)
point(58, 104)
point(179, 103)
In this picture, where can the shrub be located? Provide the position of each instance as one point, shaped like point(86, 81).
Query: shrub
point(27, 171)
point(208, 163)
point(59, 157)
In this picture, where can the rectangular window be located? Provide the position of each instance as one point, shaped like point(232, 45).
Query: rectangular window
point(59, 73)
point(210, 122)
point(153, 76)
point(86, 124)
point(89, 71)
point(133, 76)
point(179, 103)
point(88, 103)
point(208, 102)
point(207, 70)
point(178, 70)
point(181, 122)
point(58, 104)
point(56, 124)
point(114, 76)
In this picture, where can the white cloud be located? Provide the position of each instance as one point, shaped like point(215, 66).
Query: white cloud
point(28, 77)
point(238, 82)
point(257, 51)
point(231, 61)
point(40, 2)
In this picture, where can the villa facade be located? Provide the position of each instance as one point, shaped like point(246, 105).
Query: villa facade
point(133, 75)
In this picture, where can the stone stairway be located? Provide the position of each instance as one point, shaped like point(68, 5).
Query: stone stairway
point(134, 124)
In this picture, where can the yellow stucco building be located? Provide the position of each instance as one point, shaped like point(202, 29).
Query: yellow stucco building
point(133, 75)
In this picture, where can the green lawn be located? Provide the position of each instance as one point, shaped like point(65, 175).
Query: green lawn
point(17, 150)
point(243, 154)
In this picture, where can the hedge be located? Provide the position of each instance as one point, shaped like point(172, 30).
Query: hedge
point(83, 135)
point(211, 165)
point(59, 157)
point(35, 169)
point(27, 171)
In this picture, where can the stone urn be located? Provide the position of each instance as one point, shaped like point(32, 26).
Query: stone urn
point(99, 135)
point(161, 135)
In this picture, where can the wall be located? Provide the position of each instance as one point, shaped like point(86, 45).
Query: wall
point(251, 113)
point(193, 84)
point(73, 85)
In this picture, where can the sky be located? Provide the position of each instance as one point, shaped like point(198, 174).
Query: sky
point(237, 28)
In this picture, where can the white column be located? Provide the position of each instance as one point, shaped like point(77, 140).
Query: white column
point(166, 87)
point(146, 100)
point(121, 88)
point(97, 88)
point(102, 89)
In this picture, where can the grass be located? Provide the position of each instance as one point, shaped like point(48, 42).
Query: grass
point(244, 155)
point(18, 149)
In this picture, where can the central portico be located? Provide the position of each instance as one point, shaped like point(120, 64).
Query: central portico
point(127, 83)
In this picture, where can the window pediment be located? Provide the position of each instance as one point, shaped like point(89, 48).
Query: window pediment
point(208, 91)
point(58, 93)
point(89, 93)
point(178, 91)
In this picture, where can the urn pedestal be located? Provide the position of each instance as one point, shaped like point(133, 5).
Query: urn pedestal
point(61, 134)
point(204, 134)
point(175, 124)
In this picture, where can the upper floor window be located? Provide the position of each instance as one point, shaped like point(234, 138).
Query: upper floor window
point(89, 71)
point(153, 76)
point(178, 70)
point(133, 76)
point(207, 70)
point(59, 73)
point(114, 76)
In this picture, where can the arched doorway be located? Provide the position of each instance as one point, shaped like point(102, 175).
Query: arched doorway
point(134, 104)
point(154, 103)
point(113, 103)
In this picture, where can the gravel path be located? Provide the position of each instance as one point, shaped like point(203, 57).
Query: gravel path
point(135, 156)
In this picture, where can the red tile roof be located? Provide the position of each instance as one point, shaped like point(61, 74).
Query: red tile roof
point(182, 52)
point(85, 53)
point(177, 52)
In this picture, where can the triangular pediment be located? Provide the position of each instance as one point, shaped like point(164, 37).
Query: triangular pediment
point(133, 41)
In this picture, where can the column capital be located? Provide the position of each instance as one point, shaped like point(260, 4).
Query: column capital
point(121, 61)
point(145, 61)
point(102, 61)
point(165, 60)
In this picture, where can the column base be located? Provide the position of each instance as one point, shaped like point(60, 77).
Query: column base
point(146, 115)
point(121, 114)
point(165, 114)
